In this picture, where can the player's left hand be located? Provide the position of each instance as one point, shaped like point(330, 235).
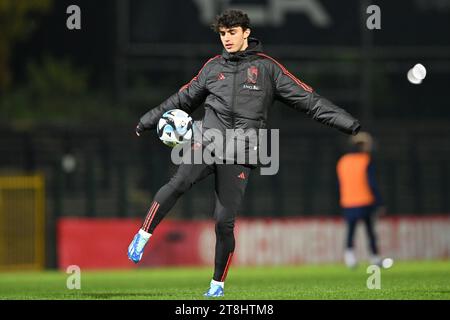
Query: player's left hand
point(355, 128)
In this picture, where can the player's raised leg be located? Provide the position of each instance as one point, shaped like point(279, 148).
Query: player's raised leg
point(230, 185)
point(185, 177)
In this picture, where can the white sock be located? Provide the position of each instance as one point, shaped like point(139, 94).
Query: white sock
point(145, 234)
point(218, 283)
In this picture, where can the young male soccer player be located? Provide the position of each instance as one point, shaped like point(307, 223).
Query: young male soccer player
point(237, 89)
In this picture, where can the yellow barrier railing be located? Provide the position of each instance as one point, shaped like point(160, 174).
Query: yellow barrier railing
point(22, 222)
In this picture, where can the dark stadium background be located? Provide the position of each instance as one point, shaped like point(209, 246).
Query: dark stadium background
point(80, 93)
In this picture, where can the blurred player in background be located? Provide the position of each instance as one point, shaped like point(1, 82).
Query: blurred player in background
point(237, 88)
point(359, 195)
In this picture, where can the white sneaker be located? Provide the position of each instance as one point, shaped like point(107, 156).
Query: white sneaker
point(136, 247)
point(215, 289)
point(376, 260)
point(350, 259)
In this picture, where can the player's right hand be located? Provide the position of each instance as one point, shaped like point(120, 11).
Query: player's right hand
point(139, 129)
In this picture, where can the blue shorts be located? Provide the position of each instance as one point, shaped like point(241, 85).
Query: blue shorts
point(357, 213)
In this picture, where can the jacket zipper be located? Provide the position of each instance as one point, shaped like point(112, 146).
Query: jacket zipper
point(234, 96)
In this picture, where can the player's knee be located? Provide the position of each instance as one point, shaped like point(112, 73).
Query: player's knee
point(180, 184)
point(224, 226)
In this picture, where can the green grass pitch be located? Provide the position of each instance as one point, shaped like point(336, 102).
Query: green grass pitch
point(405, 280)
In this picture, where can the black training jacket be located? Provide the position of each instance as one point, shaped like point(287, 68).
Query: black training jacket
point(238, 89)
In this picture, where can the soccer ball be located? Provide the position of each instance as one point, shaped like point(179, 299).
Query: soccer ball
point(174, 127)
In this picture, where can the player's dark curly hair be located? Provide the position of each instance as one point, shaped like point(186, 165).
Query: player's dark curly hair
point(231, 18)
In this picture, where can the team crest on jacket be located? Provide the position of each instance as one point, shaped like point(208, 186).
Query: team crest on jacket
point(252, 74)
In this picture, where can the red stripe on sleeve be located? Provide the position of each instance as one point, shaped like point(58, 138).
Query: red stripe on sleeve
point(196, 77)
point(286, 72)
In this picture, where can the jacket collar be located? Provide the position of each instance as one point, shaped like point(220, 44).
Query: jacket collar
point(254, 46)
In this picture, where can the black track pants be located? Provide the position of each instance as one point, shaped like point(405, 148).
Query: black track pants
point(230, 184)
point(366, 213)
